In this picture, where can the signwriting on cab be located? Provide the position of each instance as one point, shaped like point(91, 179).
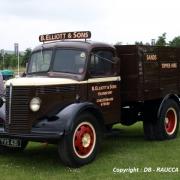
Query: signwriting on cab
point(65, 35)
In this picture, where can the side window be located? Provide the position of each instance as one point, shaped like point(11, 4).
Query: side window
point(102, 63)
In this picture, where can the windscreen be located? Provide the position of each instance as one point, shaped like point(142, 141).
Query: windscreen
point(69, 61)
point(40, 61)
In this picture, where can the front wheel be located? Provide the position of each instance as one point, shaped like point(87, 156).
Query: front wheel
point(81, 145)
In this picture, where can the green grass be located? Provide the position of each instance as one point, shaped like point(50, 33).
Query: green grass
point(127, 149)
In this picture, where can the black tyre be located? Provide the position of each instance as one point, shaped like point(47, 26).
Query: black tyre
point(81, 145)
point(149, 120)
point(149, 133)
point(168, 123)
point(109, 127)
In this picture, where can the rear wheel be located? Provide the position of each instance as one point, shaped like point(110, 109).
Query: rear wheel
point(149, 133)
point(168, 123)
point(171, 121)
point(150, 119)
point(81, 145)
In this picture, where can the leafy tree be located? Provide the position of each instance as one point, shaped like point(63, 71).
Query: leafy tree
point(138, 43)
point(161, 40)
point(175, 42)
point(10, 61)
point(119, 43)
point(1, 61)
point(7, 60)
point(26, 57)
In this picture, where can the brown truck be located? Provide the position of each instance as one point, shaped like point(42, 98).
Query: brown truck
point(75, 91)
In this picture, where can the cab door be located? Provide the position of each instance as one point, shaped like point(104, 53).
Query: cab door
point(104, 85)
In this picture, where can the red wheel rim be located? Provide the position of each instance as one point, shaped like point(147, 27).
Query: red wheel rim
point(170, 121)
point(84, 139)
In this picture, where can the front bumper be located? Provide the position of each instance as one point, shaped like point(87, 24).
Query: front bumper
point(35, 135)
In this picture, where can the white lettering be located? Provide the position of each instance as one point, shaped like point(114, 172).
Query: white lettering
point(125, 170)
point(151, 57)
point(147, 169)
point(169, 65)
point(167, 169)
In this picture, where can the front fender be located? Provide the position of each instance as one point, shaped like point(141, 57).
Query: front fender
point(69, 114)
point(63, 120)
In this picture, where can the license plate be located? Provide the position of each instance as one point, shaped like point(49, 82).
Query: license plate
point(10, 142)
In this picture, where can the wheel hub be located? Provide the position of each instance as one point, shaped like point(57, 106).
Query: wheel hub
point(166, 120)
point(170, 121)
point(86, 140)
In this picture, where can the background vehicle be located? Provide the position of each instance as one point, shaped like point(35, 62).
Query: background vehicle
point(7, 74)
point(74, 91)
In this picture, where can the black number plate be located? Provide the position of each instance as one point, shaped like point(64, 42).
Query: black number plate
point(10, 142)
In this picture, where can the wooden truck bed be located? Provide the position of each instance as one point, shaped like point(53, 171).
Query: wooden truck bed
point(148, 72)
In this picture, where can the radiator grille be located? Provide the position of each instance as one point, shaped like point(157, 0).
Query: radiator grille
point(20, 122)
point(55, 89)
point(19, 119)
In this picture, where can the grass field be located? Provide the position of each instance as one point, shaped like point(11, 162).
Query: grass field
point(128, 149)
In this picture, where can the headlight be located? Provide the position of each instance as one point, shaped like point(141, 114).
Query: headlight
point(35, 104)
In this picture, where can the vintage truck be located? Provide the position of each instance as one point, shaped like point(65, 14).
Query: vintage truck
point(74, 91)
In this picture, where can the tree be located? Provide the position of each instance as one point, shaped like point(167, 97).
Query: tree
point(119, 43)
point(10, 61)
point(26, 56)
point(138, 43)
point(161, 40)
point(175, 42)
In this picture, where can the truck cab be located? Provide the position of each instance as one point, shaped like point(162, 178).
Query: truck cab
point(69, 95)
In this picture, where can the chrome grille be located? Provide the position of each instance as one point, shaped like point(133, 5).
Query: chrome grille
point(19, 121)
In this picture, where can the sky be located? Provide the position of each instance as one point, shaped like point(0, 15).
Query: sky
point(111, 21)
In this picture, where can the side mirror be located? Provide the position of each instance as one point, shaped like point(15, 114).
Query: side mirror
point(23, 74)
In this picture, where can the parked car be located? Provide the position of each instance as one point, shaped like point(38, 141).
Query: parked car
point(7, 74)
